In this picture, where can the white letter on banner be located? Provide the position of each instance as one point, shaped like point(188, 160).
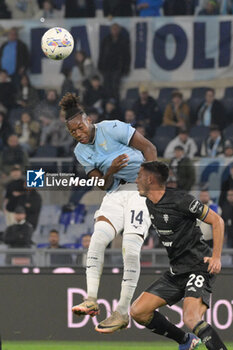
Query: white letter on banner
point(180, 312)
point(229, 314)
point(70, 293)
point(108, 310)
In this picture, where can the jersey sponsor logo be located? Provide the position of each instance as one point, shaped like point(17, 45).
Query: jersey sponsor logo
point(167, 244)
point(194, 205)
point(206, 339)
point(136, 226)
point(126, 279)
point(165, 232)
point(192, 289)
point(165, 218)
point(115, 125)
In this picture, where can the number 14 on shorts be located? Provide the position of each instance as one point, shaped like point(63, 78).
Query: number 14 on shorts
point(136, 217)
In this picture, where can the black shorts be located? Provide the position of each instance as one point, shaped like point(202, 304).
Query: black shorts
point(173, 288)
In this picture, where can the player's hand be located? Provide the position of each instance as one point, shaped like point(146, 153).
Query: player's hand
point(214, 264)
point(119, 163)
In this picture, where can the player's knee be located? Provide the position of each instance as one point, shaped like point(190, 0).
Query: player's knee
point(103, 235)
point(138, 316)
point(132, 257)
point(191, 318)
point(131, 248)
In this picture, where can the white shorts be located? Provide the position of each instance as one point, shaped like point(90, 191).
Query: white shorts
point(126, 210)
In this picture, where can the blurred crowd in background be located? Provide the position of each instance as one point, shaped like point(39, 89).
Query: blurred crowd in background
point(32, 126)
point(28, 9)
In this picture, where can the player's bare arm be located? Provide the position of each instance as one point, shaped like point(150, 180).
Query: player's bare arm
point(145, 146)
point(217, 224)
point(117, 164)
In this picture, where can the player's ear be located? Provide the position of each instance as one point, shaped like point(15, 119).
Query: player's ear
point(89, 120)
point(150, 179)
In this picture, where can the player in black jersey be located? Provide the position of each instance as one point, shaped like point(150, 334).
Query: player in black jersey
point(192, 264)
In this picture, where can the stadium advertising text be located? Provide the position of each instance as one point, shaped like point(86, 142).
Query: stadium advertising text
point(56, 293)
point(168, 49)
point(212, 316)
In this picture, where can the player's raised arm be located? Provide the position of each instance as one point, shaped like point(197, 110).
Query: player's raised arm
point(117, 164)
point(217, 224)
point(145, 146)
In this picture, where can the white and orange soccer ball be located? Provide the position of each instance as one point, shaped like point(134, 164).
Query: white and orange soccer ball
point(57, 43)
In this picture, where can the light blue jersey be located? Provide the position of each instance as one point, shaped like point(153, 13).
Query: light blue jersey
point(112, 139)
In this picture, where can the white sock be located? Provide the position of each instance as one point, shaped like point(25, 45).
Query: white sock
point(102, 236)
point(131, 248)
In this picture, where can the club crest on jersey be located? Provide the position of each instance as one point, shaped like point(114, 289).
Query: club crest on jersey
point(165, 217)
point(104, 145)
point(193, 207)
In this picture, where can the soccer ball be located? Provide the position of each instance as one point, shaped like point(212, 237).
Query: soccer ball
point(57, 43)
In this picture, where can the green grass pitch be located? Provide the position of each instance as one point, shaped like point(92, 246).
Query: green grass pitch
point(97, 346)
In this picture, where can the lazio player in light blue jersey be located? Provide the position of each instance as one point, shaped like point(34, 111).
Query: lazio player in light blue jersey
point(112, 139)
point(112, 151)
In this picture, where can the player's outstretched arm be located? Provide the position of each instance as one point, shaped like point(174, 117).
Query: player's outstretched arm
point(117, 164)
point(145, 146)
point(217, 224)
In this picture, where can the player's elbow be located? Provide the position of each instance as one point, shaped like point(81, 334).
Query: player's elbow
point(150, 152)
point(218, 223)
point(221, 223)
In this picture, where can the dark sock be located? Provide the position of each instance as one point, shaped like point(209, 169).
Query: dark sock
point(160, 325)
point(208, 336)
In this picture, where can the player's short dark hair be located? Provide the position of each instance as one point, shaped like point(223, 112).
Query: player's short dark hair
point(71, 106)
point(159, 169)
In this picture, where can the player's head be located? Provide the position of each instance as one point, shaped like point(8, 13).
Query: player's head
point(152, 176)
point(78, 123)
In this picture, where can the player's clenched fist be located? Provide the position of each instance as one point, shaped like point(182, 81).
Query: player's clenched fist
point(214, 264)
point(119, 162)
